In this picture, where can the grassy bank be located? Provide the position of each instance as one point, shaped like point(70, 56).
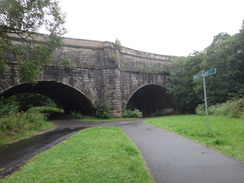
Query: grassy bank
point(226, 134)
point(101, 154)
point(6, 136)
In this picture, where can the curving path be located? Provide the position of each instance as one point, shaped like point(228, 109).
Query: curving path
point(175, 159)
point(172, 158)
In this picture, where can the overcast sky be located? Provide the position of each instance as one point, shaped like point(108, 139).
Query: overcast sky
point(168, 27)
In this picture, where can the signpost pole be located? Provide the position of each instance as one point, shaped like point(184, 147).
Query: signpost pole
point(206, 104)
point(203, 75)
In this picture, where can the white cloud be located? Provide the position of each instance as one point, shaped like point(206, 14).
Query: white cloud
point(171, 27)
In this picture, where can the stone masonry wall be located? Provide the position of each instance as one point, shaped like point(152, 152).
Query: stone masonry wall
point(99, 70)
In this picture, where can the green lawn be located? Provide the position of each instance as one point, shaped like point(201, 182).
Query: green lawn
point(226, 134)
point(100, 154)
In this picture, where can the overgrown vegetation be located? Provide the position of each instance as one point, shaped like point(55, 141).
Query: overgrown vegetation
point(101, 154)
point(102, 109)
point(76, 115)
point(67, 63)
point(226, 134)
point(233, 108)
point(226, 55)
point(20, 116)
point(118, 44)
point(132, 113)
point(114, 57)
point(14, 123)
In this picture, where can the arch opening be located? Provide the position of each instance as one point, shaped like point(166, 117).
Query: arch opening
point(150, 100)
point(64, 96)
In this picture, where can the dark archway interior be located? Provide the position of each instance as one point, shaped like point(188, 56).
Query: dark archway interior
point(64, 96)
point(150, 100)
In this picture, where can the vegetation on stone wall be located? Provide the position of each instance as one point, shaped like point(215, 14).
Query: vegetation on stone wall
point(118, 44)
point(114, 57)
point(67, 63)
point(226, 55)
point(22, 19)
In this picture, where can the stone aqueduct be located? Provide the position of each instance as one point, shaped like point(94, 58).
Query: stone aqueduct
point(83, 71)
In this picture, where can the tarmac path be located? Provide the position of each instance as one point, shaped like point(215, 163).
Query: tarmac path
point(175, 159)
point(171, 158)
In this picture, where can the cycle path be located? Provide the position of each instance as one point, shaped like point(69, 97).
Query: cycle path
point(175, 159)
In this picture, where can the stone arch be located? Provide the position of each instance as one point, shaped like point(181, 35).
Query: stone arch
point(65, 91)
point(150, 99)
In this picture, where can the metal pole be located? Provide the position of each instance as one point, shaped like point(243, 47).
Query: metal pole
point(206, 104)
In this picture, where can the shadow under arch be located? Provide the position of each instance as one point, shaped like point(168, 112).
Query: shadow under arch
point(151, 99)
point(66, 97)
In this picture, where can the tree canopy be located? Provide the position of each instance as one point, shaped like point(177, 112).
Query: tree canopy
point(226, 55)
point(22, 19)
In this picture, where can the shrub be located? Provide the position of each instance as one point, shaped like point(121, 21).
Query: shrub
point(46, 110)
point(8, 107)
point(161, 113)
point(102, 109)
point(76, 115)
point(118, 44)
point(200, 110)
point(132, 114)
point(233, 108)
point(21, 121)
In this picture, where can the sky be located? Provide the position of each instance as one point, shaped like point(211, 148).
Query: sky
point(167, 27)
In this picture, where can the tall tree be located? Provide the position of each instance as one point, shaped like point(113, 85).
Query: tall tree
point(226, 54)
point(21, 20)
point(181, 84)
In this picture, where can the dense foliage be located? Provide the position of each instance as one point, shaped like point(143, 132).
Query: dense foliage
point(226, 55)
point(21, 20)
point(102, 109)
point(132, 114)
point(21, 113)
point(233, 108)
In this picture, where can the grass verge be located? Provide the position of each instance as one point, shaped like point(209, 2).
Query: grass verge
point(226, 134)
point(6, 138)
point(100, 154)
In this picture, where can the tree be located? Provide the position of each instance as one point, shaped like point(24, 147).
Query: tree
point(21, 20)
point(226, 55)
point(181, 85)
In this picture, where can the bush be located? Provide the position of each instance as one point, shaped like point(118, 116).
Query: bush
point(102, 109)
point(21, 121)
point(161, 113)
point(45, 109)
point(8, 107)
point(76, 115)
point(132, 114)
point(200, 110)
point(233, 108)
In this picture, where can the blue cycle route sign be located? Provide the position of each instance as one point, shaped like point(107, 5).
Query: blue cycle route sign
point(203, 75)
